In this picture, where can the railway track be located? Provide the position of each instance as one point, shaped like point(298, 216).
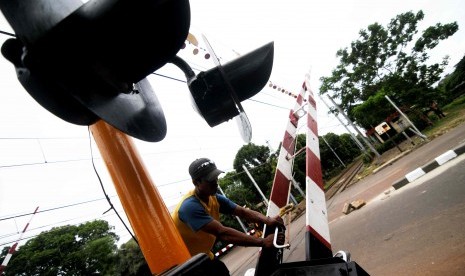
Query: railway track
point(344, 179)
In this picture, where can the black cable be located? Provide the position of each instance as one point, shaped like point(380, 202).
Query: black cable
point(171, 78)
point(7, 33)
point(105, 193)
point(181, 64)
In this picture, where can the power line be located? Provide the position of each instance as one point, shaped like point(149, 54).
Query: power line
point(33, 236)
point(44, 163)
point(59, 222)
point(42, 138)
point(168, 77)
point(52, 209)
point(268, 104)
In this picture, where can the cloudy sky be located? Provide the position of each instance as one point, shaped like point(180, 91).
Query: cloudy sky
point(46, 162)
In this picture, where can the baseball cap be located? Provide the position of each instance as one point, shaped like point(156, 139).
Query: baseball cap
point(204, 168)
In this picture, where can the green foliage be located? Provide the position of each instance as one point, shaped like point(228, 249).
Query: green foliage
point(238, 192)
point(131, 261)
point(372, 111)
point(454, 84)
point(391, 61)
point(86, 249)
point(257, 161)
point(343, 146)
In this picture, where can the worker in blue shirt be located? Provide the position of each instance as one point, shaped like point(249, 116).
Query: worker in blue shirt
point(197, 216)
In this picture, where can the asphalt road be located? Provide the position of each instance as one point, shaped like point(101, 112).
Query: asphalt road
point(416, 230)
point(375, 184)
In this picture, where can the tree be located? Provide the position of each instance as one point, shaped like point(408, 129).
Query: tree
point(372, 111)
point(390, 60)
point(454, 84)
point(257, 160)
point(236, 190)
point(86, 249)
point(131, 261)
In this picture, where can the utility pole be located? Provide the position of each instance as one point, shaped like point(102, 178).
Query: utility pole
point(417, 132)
point(360, 145)
point(256, 185)
point(356, 129)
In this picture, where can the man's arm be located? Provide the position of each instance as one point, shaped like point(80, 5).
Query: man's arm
point(254, 216)
point(233, 236)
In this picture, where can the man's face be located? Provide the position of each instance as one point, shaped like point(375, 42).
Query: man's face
point(208, 187)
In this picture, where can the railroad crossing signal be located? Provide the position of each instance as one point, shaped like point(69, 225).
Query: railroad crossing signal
point(85, 62)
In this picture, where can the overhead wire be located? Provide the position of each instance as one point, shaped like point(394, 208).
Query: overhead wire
point(79, 223)
point(58, 222)
point(50, 209)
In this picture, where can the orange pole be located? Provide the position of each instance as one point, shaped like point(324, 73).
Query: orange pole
point(156, 233)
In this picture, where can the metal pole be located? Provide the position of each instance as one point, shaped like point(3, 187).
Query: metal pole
point(143, 204)
point(356, 129)
point(297, 186)
point(238, 219)
point(293, 199)
point(256, 185)
point(406, 118)
point(360, 145)
point(324, 139)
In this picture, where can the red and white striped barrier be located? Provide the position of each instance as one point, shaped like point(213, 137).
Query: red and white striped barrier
point(317, 236)
point(282, 180)
point(13, 248)
point(223, 250)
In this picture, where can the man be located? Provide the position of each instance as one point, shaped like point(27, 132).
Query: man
point(197, 215)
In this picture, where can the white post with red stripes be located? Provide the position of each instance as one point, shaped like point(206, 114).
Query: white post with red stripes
point(283, 177)
point(269, 258)
point(13, 248)
point(317, 238)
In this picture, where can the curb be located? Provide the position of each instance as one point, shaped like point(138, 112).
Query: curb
point(389, 162)
point(438, 161)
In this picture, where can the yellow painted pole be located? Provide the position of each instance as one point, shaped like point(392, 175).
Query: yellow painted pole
point(158, 237)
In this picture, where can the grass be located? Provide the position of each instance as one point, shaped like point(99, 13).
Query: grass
point(455, 115)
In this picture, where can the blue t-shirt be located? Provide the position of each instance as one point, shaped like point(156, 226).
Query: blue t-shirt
point(192, 212)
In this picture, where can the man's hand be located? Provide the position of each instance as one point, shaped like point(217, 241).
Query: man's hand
point(275, 221)
point(268, 241)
